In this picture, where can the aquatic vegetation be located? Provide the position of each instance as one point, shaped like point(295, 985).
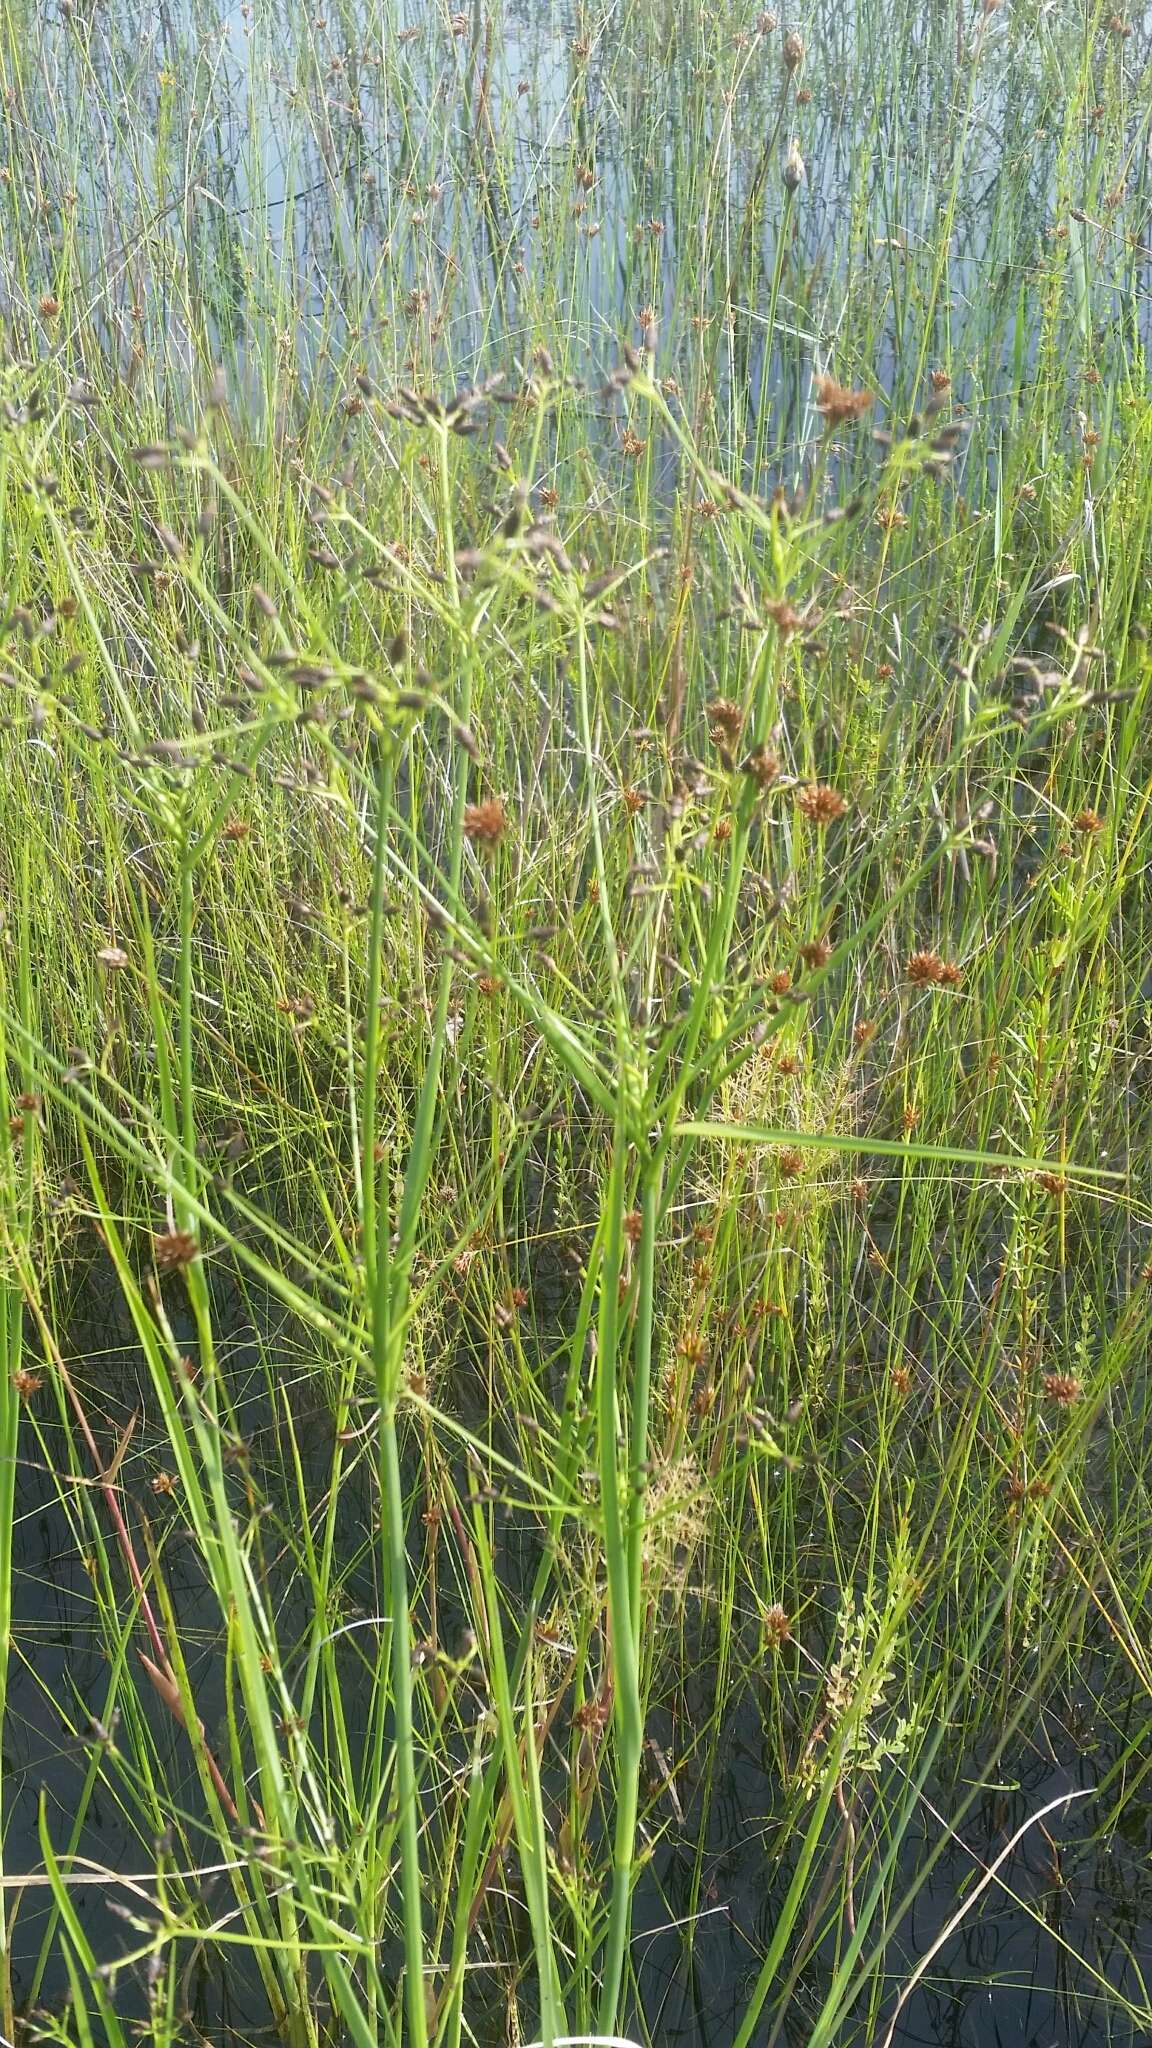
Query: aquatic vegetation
point(575, 1282)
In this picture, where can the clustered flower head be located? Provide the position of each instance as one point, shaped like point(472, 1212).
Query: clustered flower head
point(725, 720)
point(839, 404)
point(1089, 823)
point(486, 823)
point(928, 970)
point(821, 804)
point(777, 1627)
point(1063, 1388)
point(762, 765)
point(173, 1249)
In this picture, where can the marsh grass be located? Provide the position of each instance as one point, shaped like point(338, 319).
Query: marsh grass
point(573, 866)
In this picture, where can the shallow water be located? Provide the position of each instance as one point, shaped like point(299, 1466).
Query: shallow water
point(1056, 1950)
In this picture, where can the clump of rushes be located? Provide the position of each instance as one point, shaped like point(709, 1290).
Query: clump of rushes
point(536, 1266)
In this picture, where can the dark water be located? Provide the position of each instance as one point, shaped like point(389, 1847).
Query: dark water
point(1056, 1950)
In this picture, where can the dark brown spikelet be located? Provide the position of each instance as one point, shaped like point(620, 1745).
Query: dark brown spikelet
point(816, 954)
point(792, 52)
point(785, 617)
point(951, 976)
point(924, 969)
point(762, 765)
point(1089, 823)
point(173, 1249)
point(633, 1226)
point(1053, 1184)
point(821, 804)
point(791, 1162)
point(486, 823)
point(725, 720)
point(838, 404)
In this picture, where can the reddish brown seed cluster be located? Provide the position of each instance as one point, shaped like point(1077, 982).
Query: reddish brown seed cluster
point(1088, 823)
point(785, 617)
point(1063, 1388)
point(929, 970)
point(820, 804)
point(725, 720)
point(762, 765)
point(486, 823)
point(839, 405)
point(172, 1249)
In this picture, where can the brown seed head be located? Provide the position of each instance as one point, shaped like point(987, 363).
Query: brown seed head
point(792, 52)
point(725, 720)
point(840, 405)
point(762, 765)
point(1089, 823)
point(1063, 1388)
point(784, 616)
point(924, 969)
point(27, 1383)
point(633, 1226)
point(485, 823)
point(791, 1162)
point(112, 957)
point(1053, 1184)
point(820, 804)
point(816, 954)
point(777, 1627)
point(172, 1249)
